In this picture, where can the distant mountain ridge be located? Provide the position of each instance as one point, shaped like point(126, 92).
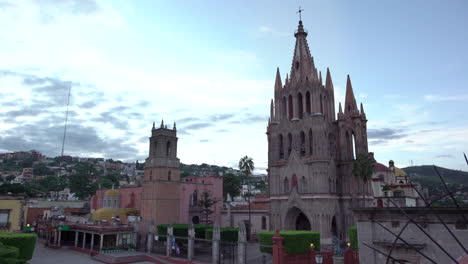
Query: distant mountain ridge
point(427, 176)
point(428, 172)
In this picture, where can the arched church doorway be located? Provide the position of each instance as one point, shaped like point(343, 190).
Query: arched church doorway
point(333, 228)
point(296, 219)
point(302, 223)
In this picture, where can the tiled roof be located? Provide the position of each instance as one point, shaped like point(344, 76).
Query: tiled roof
point(379, 167)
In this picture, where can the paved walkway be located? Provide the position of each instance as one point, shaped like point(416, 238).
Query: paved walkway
point(43, 255)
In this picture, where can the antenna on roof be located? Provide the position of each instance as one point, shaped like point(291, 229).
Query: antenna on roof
point(66, 119)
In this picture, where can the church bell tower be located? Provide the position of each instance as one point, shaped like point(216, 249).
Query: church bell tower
point(160, 198)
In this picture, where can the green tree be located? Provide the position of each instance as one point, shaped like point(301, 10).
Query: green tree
point(109, 180)
point(81, 183)
point(246, 166)
point(9, 178)
point(363, 168)
point(41, 170)
point(231, 185)
point(206, 203)
point(53, 183)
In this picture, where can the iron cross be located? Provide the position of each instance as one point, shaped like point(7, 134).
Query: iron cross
point(300, 11)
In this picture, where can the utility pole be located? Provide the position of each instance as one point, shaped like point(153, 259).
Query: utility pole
point(66, 119)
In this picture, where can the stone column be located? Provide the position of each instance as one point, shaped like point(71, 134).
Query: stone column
point(191, 242)
point(84, 239)
point(59, 235)
point(170, 233)
point(101, 241)
point(92, 241)
point(215, 246)
point(76, 238)
point(241, 245)
point(55, 237)
point(117, 240)
point(149, 242)
point(150, 236)
point(295, 108)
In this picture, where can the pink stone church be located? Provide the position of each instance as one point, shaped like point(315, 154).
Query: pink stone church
point(164, 196)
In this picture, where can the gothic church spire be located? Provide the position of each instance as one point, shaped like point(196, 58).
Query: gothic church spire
point(350, 100)
point(302, 68)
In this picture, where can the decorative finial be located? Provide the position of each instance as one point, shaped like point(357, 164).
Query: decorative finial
point(300, 11)
point(162, 123)
point(174, 128)
point(153, 125)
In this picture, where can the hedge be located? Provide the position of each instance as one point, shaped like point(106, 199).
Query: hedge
point(228, 234)
point(353, 238)
point(181, 230)
point(9, 255)
point(293, 241)
point(24, 242)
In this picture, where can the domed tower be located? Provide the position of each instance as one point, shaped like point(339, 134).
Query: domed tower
point(161, 180)
point(310, 152)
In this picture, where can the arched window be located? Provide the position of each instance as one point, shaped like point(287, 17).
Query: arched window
point(283, 109)
point(286, 185)
point(308, 106)
point(349, 144)
point(321, 104)
point(290, 107)
point(264, 225)
point(194, 198)
point(281, 148)
point(303, 150)
point(169, 175)
point(300, 106)
point(354, 152)
point(155, 147)
point(331, 145)
point(311, 143)
point(303, 186)
point(289, 144)
point(168, 148)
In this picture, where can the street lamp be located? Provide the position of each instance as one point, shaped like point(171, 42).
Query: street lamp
point(319, 258)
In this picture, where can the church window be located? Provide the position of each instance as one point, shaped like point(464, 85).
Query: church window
point(321, 104)
point(354, 152)
point(289, 144)
point(297, 65)
point(169, 175)
point(300, 106)
point(155, 147)
point(264, 222)
point(290, 107)
point(303, 185)
point(284, 108)
point(331, 145)
point(303, 151)
point(308, 106)
point(168, 148)
point(286, 185)
point(281, 149)
point(311, 142)
point(349, 145)
point(194, 198)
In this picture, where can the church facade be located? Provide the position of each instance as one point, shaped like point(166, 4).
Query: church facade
point(311, 150)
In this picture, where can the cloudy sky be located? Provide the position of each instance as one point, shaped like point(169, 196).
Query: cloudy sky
point(210, 66)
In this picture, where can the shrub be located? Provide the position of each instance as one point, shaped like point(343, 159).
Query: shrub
point(181, 230)
point(293, 241)
point(228, 234)
point(353, 238)
point(24, 242)
point(8, 252)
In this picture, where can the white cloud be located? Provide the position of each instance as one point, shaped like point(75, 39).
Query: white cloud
point(272, 31)
point(442, 98)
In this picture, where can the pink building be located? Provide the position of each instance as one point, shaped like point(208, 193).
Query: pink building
point(191, 190)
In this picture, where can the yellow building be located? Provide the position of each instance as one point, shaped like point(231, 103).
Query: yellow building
point(13, 212)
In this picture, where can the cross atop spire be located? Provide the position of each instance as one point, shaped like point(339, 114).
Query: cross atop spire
point(300, 11)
